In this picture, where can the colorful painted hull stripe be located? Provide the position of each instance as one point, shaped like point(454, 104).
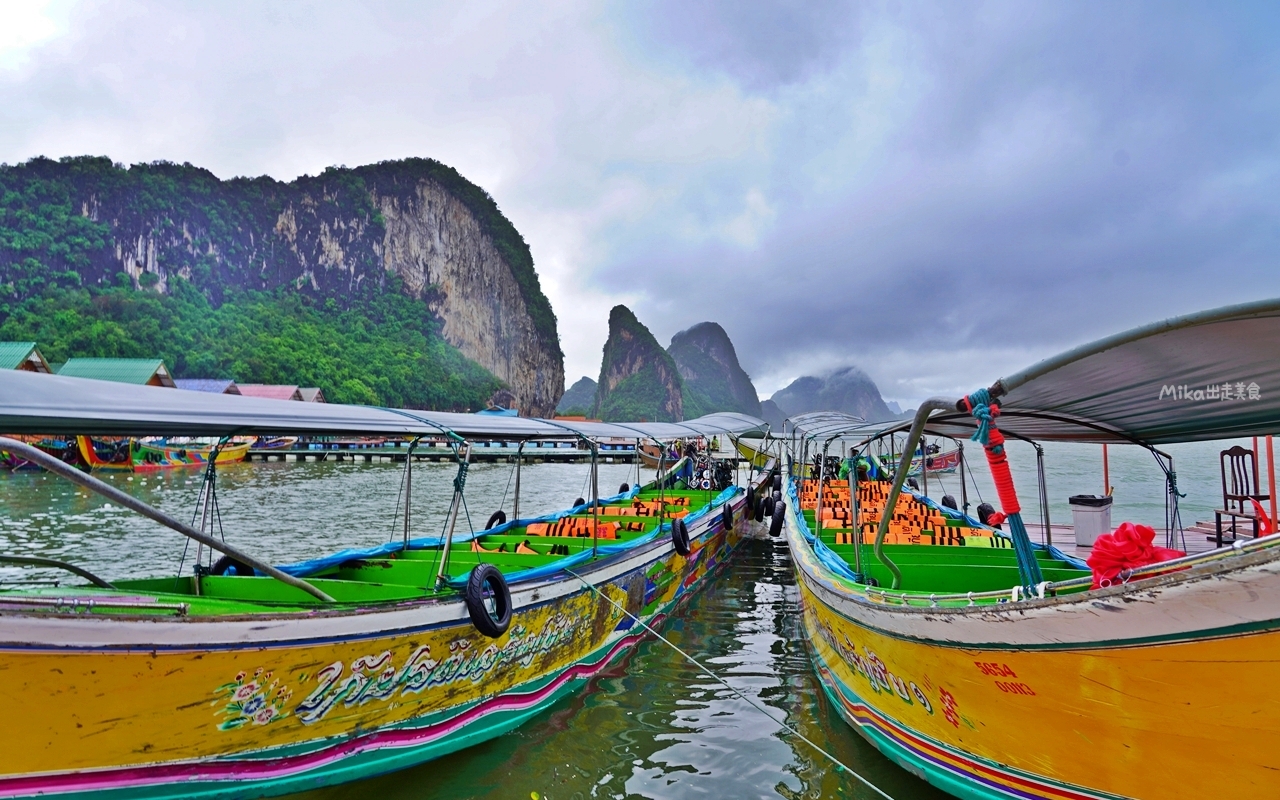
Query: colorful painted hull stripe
point(263, 767)
point(953, 761)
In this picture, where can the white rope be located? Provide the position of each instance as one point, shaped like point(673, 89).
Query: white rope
point(725, 684)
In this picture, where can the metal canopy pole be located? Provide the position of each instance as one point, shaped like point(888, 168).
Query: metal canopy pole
point(442, 576)
point(822, 479)
point(1044, 495)
point(113, 494)
point(924, 464)
point(595, 498)
point(964, 489)
point(1106, 472)
point(900, 477)
point(408, 489)
point(515, 507)
point(204, 501)
point(855, 517)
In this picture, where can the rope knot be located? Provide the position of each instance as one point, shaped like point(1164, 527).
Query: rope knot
point(985, 412)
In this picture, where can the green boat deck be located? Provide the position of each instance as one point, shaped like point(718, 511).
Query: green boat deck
point(943, 569)
point(394, 577)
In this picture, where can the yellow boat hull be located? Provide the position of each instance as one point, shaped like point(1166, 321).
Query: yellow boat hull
point(259, 705)
point(1160, 689)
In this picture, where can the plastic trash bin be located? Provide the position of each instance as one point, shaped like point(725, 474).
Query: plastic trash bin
point(1091, 516)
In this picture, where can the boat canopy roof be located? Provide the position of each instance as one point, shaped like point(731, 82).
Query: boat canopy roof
point(55, 404)
point(1210, 375)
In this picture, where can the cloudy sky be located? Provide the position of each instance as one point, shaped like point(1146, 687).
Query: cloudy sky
point(938, 193)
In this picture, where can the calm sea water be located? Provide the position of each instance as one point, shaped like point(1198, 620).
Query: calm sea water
point(654, 726)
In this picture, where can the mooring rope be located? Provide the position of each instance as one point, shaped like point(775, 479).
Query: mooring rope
point(781, 724)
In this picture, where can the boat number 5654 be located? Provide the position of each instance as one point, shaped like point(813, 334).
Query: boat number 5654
point(995, 670)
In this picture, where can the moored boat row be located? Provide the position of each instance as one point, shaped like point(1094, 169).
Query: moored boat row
point(263, 680)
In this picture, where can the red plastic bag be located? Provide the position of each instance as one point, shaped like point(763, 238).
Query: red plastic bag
point(1127, 547)
point(1266, 526)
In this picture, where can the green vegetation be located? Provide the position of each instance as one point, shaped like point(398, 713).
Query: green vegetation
point(637, 398)
point(385, 351)
point(713, 379)
point(579, 399)
point(648, 387)
point(239, 279)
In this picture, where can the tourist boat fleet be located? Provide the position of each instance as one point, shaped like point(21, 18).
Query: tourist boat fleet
point(989, 665)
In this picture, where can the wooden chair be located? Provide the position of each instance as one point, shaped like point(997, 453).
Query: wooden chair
point(1239, 486)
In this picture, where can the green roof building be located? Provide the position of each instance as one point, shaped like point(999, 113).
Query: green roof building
point(139, 371)
point(22, 355)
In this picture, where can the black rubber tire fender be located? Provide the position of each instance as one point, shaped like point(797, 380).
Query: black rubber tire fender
point(485, 583)
point(777, 483)
point(749, 510)
point(950, 502)
point(777, 497)
point(581, 501)
point(624, 488)
point(233, 566)
point(680, 537)
point(498, 517)
point(758, 502)
point(985, 510)
point(767, 504)
point(728, 517)
point(779, 514)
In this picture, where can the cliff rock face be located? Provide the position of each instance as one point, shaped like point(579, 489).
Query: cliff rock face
point(415, 226)
point(442, 253)
point(579, 399)
point(638, 379)
point(849, 390)
point(713, 379)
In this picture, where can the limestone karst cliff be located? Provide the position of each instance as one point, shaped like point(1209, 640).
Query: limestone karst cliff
point(345, 235)
point(849, 389)
point(638, 379)
point(579, 398)
point(713, 379)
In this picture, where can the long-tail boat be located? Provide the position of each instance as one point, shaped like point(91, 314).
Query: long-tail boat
point(245, 679)
point(656, 455)
point(140, 455)
point(757, 450)
point(940, 463)
point(63, 448)
point(1008, 669)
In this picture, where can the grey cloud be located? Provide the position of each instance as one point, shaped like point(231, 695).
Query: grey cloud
point(761, 44)
point(997, 212)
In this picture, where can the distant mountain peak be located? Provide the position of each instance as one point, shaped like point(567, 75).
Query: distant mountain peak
point(846, 389)
point(713, 378)
point(638, 379)
point(579, 399)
